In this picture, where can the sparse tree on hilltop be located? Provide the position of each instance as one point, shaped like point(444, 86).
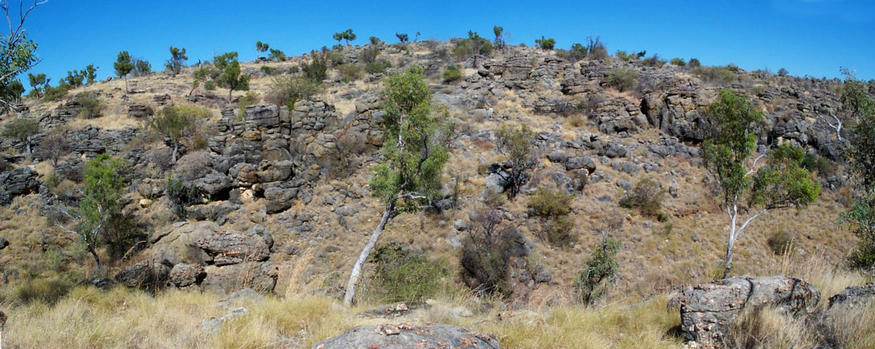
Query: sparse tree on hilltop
point(413, 157)
point(91, 73)
point(228, 73)
point(260, 47)
point(36, 81)
point(749, 190)
point(499, 40)
point(402, 37)
point(545, 43)
point(177, 60)
point(346, 35)
point(123, 66)
point(177, 123)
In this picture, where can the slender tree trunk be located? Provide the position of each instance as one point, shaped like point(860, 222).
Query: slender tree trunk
point(126, 83)
point(27, 145)
point(733, 216)
point(94, 254)
point(229, 94)
point(175, 150)
point(363, 256)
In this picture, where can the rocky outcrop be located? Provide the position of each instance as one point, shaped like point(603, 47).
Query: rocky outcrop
point(409, 336)
point(852, 297)
point(18, 181)
point(140, 111)
point(204, 256)
point(707, 310)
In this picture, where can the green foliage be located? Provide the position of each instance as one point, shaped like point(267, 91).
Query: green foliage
point(545, 43)
point(653, 61)
point(55, 93)
point(286, 90)
point(227, 73)
point(36, 81)
point(91, 105)
point(517, 145)
point(622, 79)
point(103, 187)
point(499, 39)
point(74, 78)
point(573, 54)
point(90, 73)
point(20, 129)
point(783, 72)
point(17, 55)
point(176, 61)
point(472, 45)
point(346, 35)
point(178, 122)
point(732, 143)
point(815, 163)
point(179, 194)
point(48, 290)
point(694, 63)
point(369, 54)
point(375, 41)
point(276, 56)
point(779, 242)
point(261, 47)
point(317, 69)
point(199, 76)
point(550, 203)
point(783, 182)
point(409, 173)
point(599, 270)
point(646, 196)
point(452, 74)
point(123, 64)
point(719, 75)
point(678, 62)
point(403, 276)
point(12, 91)
point(861, 219)
point(378, 67)
point(246, 100)
point(350, 72)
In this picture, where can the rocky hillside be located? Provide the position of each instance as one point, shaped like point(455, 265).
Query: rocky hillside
point(279, 197)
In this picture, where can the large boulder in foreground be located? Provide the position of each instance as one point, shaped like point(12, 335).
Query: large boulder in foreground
point(707, 310)
point(408, 336)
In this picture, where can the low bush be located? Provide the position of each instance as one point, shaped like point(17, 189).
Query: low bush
point(819, 164)
point(286, 90)
point(317, 69)
point(403, 276)
point(369, 54)
point(55, 93)
point(599, 270)
point(646, 196)
point(246, 100)
point(473, 45)
point(179, 194)
point(549, 203)
point(44, 290)
point(451, 74)
point(622, 79)
point(378, 67)
point(350, 72)
point(678, 62)
point(779, 242)
point(653, 61)
point(560, 230)
point(487, 251)
point(91, 106)
point(718, 75)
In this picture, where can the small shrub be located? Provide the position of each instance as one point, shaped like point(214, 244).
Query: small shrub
point(559, 231)
point(378, 67)
point(451, 74)
point(545, 43)
point(783, 72)
point(179, 195)
point(779, 242)
point(486, 253)
point(123, 236)
point(720, 75)
point(819, 164)
point(317, 69)
point(346, 148)
point(678, 62)
point(600, 269)
point(45, 290)
point(286, 90)
point(646, 196)
point(548, 203)
point(350, 72)
point(622, 79)
point(369, 54)
point(403, 276)
point(694, 63)
point(596, 49)
point(91, 106)
point(246, 100)
point(55, 93)
point(653, 61)
point(268, 70)
point(473, 45)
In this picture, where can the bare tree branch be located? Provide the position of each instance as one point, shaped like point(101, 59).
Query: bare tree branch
point(837, 126)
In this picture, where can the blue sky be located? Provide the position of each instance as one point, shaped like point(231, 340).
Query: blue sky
point(807, 37)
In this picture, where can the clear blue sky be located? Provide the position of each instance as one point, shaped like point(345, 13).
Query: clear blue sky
point(813, 37)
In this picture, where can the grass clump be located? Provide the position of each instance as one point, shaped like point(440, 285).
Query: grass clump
point(286, 90)
point(717, 75)
point(91, 106)
point(451, 74)
point(554, 206)
point(779, 242)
